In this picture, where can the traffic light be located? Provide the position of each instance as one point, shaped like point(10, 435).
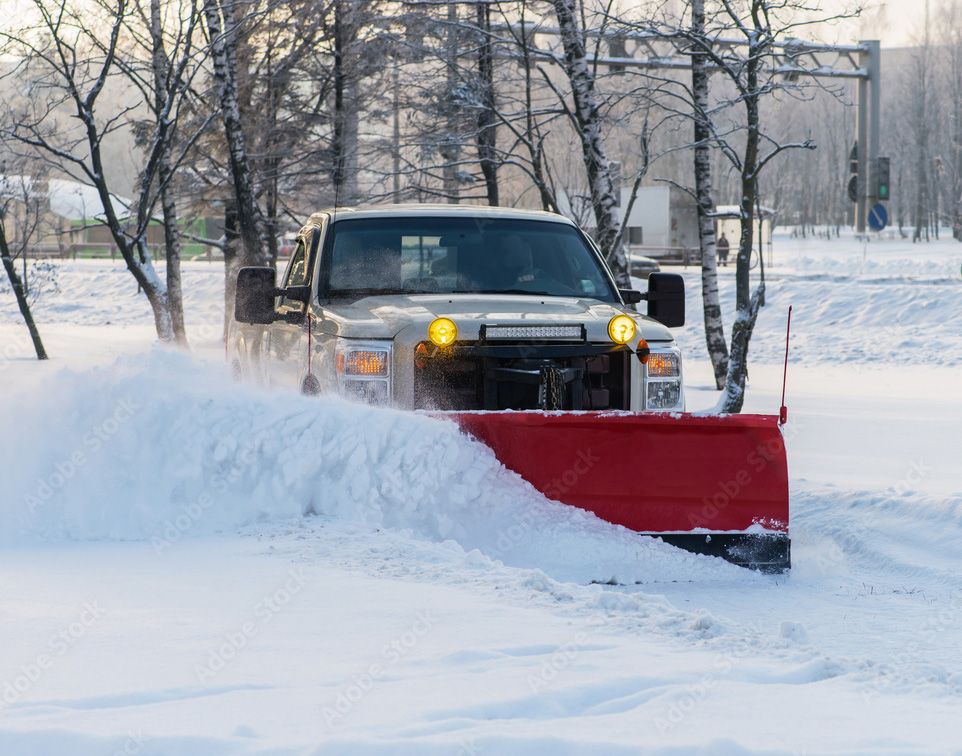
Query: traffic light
point(853, 173)
point(882, 185)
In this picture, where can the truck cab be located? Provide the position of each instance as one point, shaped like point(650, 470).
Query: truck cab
point(442, 307)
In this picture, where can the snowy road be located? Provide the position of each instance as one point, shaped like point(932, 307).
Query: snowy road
point(169, 597)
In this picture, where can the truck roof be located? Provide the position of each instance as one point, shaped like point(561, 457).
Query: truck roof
point(427, 209)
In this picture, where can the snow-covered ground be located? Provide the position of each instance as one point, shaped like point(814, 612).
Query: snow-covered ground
point(188, 566)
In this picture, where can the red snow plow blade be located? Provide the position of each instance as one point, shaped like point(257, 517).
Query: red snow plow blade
point(710, 484)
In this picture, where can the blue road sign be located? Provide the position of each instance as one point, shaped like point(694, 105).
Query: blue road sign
point(878, 217)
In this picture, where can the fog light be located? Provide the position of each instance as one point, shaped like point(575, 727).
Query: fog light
point(442, 332)
point(621, 329)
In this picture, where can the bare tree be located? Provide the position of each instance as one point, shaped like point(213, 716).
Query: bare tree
point(585, 115)
point(750, 71)
point(72, 55)
point(223, 18)
point(165, 34)
point(487, 136)
point(26, 193)
point(711, 306)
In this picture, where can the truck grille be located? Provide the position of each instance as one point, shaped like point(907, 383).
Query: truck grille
point(461, 380)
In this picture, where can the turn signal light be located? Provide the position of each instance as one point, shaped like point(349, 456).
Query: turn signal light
point(663, 365)
point(442, 332)
point(421, 356)
point(621, 329)
point(362, 362)
point(643, 351)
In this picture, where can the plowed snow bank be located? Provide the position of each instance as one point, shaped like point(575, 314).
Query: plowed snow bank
point(157, 447)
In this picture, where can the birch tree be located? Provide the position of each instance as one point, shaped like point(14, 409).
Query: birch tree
point(586, 117)
point(711, 306)
point(749, 70)
point(223, 19)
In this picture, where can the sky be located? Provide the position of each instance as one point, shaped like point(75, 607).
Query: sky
point(896, 23)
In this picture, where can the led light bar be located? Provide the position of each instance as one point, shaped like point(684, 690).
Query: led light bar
point(533, 333)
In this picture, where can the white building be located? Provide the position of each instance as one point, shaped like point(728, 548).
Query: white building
point(662, 223)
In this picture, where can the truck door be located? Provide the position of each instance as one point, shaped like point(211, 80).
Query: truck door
point(288, 345)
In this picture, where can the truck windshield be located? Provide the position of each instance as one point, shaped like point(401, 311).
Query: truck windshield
point(421, 255)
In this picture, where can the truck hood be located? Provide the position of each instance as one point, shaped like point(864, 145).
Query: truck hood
point(384, 317)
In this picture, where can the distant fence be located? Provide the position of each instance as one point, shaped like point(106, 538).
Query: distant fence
point(50, 251)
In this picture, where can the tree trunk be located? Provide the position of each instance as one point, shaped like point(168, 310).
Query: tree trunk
point(747, 303)
point(450, 149)
point(587, 115)
point(135, 252)
point(487, 131)
point(345, 110)
point(175, 297)
point(532, 139)
point(252, 230)
point(21, 295)
point(714, 327)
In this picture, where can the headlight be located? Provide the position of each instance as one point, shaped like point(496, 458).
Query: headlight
point(663, 384)
point(364, 370)
point(442, 332)
point(621, 329)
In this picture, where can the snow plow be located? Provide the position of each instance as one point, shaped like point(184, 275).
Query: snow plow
point(710, 484)
point(510, 322)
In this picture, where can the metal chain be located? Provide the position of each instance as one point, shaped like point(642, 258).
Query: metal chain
point(551, 392)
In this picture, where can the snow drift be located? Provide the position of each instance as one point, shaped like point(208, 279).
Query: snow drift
point(158, 447)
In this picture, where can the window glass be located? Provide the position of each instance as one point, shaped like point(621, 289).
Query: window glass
point(297, 274)
point(463, 255)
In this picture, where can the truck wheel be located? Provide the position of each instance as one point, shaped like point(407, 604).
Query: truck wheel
point(311, 386)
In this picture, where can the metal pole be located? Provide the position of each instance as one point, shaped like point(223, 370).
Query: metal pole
point(861, 205)
point(874, 120)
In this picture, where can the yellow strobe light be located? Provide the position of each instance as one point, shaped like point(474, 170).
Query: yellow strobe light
point(442, 332)
point(621, 329)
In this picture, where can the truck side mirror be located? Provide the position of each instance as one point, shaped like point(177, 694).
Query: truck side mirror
point(254, 300)
point(666, 299)
point(630, 296)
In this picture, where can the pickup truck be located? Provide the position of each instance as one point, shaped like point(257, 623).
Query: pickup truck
point(458, 308)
